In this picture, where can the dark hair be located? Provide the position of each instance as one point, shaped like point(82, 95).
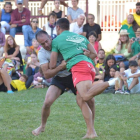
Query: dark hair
point(138, 57)
point(63, 23)
point(41, 33)
point(133, 63)
point(115, 67)
point(101, 50)
point(7, 3)
point(92, 16)
point(92, 33)
point(138, 4)
point(52, 14)
point(25, 77)
point(109, 57)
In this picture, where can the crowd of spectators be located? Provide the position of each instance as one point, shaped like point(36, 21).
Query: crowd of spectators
point(122, 62)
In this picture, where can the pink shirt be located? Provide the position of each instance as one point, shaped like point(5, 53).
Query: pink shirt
point(96, 46)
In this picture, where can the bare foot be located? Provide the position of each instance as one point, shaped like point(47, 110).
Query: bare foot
point(90, 135)
point(38, 131)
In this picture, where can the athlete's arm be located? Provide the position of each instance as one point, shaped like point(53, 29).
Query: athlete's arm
point(93, 53)
point(48, 73)
point(53, 60)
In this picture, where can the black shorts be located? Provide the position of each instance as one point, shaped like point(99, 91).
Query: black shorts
point(63, 83)
point(4, 88)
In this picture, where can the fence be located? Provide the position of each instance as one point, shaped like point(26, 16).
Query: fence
point(113, 12)
point(33, 7)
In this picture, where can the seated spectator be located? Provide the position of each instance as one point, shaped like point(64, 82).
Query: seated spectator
point(12, 55)
point(74, 11)
point(43, 2)
point(25, 3)
point(32, 66)
point(134, 46)
point(91, 26)
point(130, 25)
point(50, 27)
point(8, 85)
point(77, 27)
point(30, 32)
point(5, 17)
point(121, 49)
point(92, 37)
point(35, 47)
point(131, 79)
point(57, 11)
point(20, 18)
point(2, 42)
point(101, 58)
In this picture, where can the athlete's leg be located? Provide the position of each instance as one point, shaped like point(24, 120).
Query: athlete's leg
point(52, 94)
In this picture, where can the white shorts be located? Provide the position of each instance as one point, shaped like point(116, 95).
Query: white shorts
point(136, 88)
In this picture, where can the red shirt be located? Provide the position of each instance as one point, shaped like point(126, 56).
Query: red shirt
point(16, 17)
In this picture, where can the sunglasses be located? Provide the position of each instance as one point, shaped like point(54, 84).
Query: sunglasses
point(35, 21)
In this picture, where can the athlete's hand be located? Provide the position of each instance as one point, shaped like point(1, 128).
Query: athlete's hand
point(86, 52)
point(63, 64)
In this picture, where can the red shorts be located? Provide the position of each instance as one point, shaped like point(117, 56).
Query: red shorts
point(82, 71)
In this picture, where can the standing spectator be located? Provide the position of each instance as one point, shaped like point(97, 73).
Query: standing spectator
point(43, 2)
point(20, 18)
point(130, 25)
point(134, 46)
point(91, 26)
point(31, 32)
point(25, 3)
point(57, 11)
point(77, 27)
point(2, 42)
point(74, 12)
point(92, 37)
point(5, 17)
point(50, 27)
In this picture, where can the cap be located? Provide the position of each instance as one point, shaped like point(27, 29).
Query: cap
point(19, 1)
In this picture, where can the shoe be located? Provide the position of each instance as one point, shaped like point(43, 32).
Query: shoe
point(127, 92)
point(119, 92)
point(10, 92)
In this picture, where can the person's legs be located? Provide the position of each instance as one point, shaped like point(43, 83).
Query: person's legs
point(14, 30)
point(52, 94)
point(5, 25)
point(29, 81)
point(29, 71)
point(6, 79)
point(134, 82)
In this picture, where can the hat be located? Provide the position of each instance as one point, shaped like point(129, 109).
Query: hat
point(138, 31)
point(124, 32)
point(19, 1)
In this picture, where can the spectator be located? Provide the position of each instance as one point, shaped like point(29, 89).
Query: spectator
point(20, 18)
point(29, 34)
point(43, 2)
point(130, 25)
point(12, 53)
point(5, 17)
point(122, 48)
point(91, 26)
point(74, 12)
point(92, 37)
point(32, 66)
point(50, 27)
point(57, 11)
point(134, 46)
point(25, 3)
point(77, 27)
point(2, 42)
point(35, 47)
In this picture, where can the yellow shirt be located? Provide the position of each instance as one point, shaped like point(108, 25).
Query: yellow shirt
point(98, 65)
point(19, 85)
point(136, 17)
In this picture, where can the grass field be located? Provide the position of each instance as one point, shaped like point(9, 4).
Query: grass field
point(117, 117)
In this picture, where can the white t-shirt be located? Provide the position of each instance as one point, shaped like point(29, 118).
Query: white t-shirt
point(75, 28)
point(128, 72)
point(44, 57)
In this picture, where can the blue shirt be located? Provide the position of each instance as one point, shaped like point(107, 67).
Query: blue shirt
point(29, 35)
point(74, 13)
point(5, 16)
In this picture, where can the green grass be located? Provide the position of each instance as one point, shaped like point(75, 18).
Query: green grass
point(117, 117)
